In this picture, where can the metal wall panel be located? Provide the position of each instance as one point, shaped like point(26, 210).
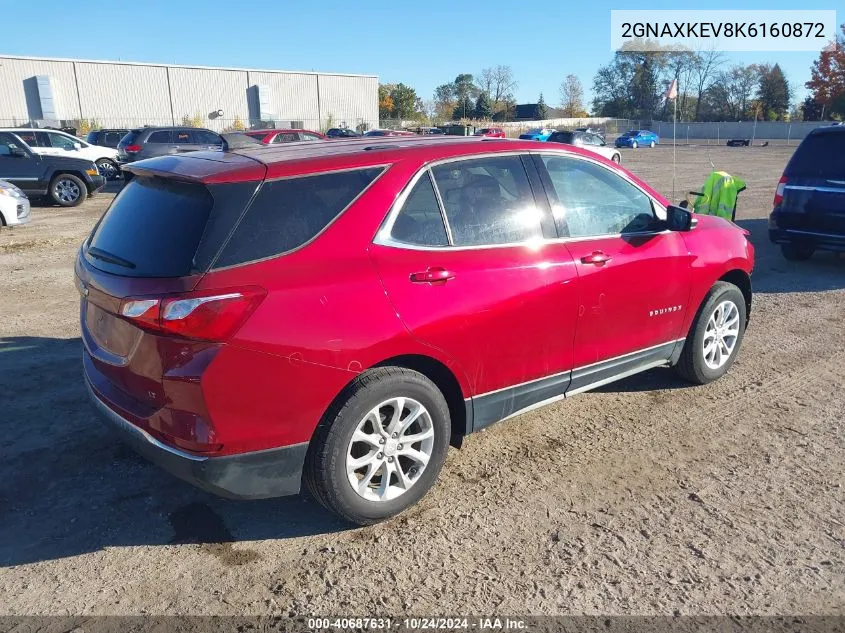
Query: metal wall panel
point(13, 99)
point(119, 95)
point(200, 91)
point(122, 94)
point(292, 96)
point(349, 100)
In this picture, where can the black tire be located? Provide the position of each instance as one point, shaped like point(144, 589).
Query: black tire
point(616, 158)
point(108, 169)
point(68, 190)
point(325, 465)
point(797, 252)
point(691, 365)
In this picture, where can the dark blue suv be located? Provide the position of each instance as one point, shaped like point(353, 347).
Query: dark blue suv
point(809, 204)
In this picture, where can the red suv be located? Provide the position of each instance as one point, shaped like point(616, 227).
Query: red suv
point(339, 314)
point(271, 136)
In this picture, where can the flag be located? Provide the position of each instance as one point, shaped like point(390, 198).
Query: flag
point(671, 91)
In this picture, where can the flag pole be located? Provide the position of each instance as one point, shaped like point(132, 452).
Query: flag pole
point(674, 146)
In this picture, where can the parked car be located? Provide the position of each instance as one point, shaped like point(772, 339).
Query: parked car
point(490, 132)
point(536, 134)
point(808, 212)
point(219, 340)
point(14, 205)
point(106, 137)
point(587, 140)
point(270, 137)
point(342, 132)
point(388, 133)
point(66, 180)
point(56, 143)
point(599, 131)
point(147, 142)
point(423, 131)
point(638, 138)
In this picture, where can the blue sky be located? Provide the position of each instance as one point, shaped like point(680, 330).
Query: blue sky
point(422, 44)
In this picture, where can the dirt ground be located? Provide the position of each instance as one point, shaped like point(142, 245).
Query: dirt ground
point(645, 497)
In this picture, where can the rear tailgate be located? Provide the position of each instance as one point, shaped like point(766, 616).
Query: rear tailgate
point(814, 191)
point(158, 237)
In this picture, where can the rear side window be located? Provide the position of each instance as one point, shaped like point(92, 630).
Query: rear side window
point(204, 137)
point(162, 136)
point(488, 201)
point(819, 156)
point(110, 139)
point(288, 213)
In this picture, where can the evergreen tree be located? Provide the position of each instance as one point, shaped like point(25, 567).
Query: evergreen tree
point(465, 109)
point(774, 93)
point(483, 107)
point(542, 110)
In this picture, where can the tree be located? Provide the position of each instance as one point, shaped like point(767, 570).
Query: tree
point(464, 109)
point(542, 110)
point(812, 110)
point(631, 85)
point(773, 92)
point(464, 87)
point(827, 79)
point(704, 69)
point(444, 101)
point(404, 102)
point(483, 107)
point(499, 83)
point(572, 97)
point(729, 97)
point(385, 101)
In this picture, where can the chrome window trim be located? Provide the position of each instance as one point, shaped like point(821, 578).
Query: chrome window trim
point(383, 236)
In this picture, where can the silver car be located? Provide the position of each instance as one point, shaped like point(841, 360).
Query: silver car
point(147, 142)
point(14, 205)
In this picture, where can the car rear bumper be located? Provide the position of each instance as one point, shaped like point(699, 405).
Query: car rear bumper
point(274, 472)
point(96, 183)
point(817, 239)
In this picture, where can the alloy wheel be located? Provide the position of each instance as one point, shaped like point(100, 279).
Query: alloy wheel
point(67, 190)
point(107, 169)
point(390, 449)
point(721, 335)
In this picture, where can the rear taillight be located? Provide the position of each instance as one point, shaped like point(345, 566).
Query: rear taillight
point(779, 191)
point(132, 148)
point(206, 316)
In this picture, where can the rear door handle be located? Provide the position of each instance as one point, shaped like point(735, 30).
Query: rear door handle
point(433, 275)
point(598, 258)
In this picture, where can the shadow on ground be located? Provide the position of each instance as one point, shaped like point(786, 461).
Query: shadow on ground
point(68, 486)
point(774, 274)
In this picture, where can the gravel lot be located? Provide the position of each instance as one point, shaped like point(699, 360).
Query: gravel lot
point(646, 497)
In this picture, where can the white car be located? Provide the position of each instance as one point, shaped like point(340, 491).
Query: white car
point(587, 140)
point(14, 205)
point(59, 143)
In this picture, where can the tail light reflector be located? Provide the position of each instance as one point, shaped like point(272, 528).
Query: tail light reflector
point(206, 316)
point(132, 148)
point(779, 191)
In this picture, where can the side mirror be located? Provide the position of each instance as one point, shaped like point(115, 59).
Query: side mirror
point(678, 219)
point(77, 146)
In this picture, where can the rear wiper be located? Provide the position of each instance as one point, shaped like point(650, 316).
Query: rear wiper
point(108, 257)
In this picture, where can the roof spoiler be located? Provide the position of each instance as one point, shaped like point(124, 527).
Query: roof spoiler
point(238, 140)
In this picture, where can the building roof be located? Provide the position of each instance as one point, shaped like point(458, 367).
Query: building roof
point(129, 63)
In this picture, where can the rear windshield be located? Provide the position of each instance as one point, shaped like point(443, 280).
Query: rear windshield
point(129, 138)
point(562, 137)
point(288, 213)
point(152, 229)
point(819, 156)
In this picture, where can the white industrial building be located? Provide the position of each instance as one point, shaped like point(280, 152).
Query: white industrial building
point(109, 94)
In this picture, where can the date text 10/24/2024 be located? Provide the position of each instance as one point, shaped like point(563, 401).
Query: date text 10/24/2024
point(418, 624)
